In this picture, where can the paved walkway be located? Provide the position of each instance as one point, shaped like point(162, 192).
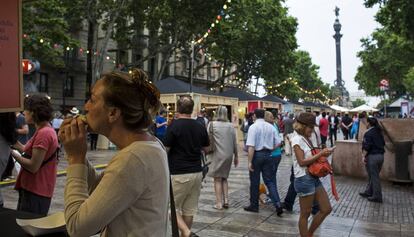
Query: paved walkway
point(351, 216)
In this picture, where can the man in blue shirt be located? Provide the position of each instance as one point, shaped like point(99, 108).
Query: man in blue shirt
point(161, 125)
point(262, 139)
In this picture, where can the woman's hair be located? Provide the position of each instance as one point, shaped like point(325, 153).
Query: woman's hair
point(300, 128)
point(136, 97)
point(373, 122)
point(8, 127)
point(268, 115)
point(40, 107)
point(221, 114)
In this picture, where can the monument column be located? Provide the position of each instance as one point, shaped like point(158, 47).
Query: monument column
point(339, 83)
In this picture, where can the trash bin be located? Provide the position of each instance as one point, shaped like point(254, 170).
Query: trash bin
point(402, 151)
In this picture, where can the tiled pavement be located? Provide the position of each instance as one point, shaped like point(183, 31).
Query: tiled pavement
point(351, 216)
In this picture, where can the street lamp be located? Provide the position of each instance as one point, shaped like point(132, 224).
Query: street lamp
point(191, 66)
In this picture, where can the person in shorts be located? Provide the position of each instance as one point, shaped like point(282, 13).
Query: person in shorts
point(308, 187)
point(185, 140)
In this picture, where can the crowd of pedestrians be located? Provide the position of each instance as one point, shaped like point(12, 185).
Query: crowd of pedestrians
point(158, 153)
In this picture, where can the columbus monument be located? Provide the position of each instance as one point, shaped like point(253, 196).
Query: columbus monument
point(340, 91)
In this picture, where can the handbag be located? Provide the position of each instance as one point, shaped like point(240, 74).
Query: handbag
point(174, 224)
point(321, 168)
point(211, 148)
point(204, 165)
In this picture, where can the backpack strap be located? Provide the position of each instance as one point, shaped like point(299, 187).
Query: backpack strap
point(55, 154)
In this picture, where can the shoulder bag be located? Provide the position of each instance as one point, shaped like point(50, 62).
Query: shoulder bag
point(321, 168)
point(212, 147)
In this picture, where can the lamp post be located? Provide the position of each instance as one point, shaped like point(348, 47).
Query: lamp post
point(191, 66)
point(65, 80)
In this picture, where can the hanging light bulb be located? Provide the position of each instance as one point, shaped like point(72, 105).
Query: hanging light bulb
point(41, 41)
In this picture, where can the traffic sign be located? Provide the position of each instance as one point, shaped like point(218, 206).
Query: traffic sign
point(28, 66)
point(384, 82)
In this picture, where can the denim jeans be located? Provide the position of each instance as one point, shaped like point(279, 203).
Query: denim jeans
point(291, 195)
point(263, 164)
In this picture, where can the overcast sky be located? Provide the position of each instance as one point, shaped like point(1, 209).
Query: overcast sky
point(315, 31)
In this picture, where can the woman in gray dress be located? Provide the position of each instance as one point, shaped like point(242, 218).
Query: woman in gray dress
point(223, 135)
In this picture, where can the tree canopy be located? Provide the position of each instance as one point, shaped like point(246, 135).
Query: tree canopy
point(397, 15)
point(256, 36)
point(358, 102)
point(389, 52)
point(305, 82)
point(385, 56)
point(46, 31)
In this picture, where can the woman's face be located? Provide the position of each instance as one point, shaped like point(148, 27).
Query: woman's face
point(96, 110)
point(28, 117)
point(308, 131)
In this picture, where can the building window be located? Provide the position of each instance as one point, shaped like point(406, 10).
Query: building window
point(68, 86)
point(43, 83)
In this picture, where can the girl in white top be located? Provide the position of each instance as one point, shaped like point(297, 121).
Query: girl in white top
point(308, 187)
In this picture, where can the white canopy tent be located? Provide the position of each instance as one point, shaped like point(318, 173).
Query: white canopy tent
point(339, 108)
point(362, 108)
point(397, 103)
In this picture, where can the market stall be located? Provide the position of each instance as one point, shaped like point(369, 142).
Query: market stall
point(171, 89)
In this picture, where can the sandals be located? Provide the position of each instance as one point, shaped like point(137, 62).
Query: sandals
point(226, 206)
point(217, 207)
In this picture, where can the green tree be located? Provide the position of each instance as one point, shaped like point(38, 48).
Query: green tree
point(46, 31)
point(255, 40)
point(408, 81)
point(383, 102)
point(385, 55)
point(172, 25)
point(358, 102)
point(306, 83)
point(397, 15)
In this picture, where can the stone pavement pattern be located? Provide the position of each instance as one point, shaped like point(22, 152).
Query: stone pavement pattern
point(351, 216)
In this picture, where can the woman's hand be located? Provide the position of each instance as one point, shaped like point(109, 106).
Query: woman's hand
point(326, 152)
point(236, 161)
point(72, 133)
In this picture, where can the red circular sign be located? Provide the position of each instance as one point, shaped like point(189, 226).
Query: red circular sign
point(384, 82)
point(28, 66)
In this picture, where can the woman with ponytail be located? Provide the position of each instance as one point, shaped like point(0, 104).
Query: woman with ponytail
point(373, 158)
point(130, 198)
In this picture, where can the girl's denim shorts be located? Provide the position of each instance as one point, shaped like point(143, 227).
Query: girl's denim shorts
point(306, 185)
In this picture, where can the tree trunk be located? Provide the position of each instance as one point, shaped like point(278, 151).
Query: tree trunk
point(89, 68)
point(99, 62)
point(166, 56)
point(223, 76)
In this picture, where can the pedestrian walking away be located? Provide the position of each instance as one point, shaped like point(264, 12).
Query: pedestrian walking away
point(262, 139)
point(186, 139)
point(225, 152)
point(333, 127)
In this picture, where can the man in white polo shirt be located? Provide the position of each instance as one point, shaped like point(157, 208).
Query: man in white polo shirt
point(262, 139)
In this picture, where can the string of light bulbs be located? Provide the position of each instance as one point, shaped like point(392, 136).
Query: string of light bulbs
point(57, 46)
point(217, 21)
